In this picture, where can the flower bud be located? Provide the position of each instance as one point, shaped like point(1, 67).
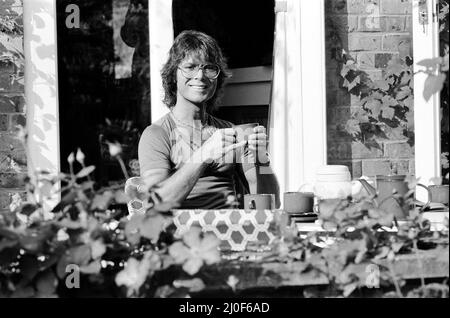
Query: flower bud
point(71, 158)
point(115, 149)
point(80, 156)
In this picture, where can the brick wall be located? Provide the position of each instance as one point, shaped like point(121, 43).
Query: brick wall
point(372, 32)
point(12, 105)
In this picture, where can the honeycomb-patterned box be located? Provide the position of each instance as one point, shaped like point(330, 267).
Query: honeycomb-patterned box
point(235, 228)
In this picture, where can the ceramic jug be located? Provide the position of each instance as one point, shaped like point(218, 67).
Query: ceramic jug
point(386, 186)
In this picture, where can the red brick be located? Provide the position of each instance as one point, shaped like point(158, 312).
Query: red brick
point(382, 24)
point(375, 167)
point(12, 180)
point(394, 24)
point(13, 162)
point(12, 103)
point(398, 150)
point(400, 166)
point(6, 197)
point(382, 167)
point(11, 7)
point(344, 24)
point(4, 121)
point(339, 151)
point(366, 60)
point(370, 24)
point(9, 142)
point(17, 119)
point(398, 43)
point(412, 166)
point(408, 24)
point(374, 75)
point(351, 6)
point(338, 97)
point(365, 151)
point(364, 42)
point(396, 6)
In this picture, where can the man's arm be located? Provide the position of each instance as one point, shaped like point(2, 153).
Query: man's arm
point(176, 187)
point(256, 166)
point(261, 180)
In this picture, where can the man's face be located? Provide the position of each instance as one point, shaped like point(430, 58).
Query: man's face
point(196, 88)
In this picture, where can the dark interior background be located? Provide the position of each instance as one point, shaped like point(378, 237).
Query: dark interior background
point(243, 29)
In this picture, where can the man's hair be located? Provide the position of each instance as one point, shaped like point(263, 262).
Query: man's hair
point(197, 44)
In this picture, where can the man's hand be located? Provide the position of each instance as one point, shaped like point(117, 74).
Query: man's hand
point(257, 143)
point(218, 145)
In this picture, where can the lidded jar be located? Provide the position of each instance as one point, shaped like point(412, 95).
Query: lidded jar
point(333, 182)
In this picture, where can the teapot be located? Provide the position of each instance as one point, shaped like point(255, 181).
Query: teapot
point(386, 186)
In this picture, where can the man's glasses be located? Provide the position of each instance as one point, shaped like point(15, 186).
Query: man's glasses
point(211, 71)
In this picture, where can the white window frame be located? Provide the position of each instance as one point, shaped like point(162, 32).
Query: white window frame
point(41, 87)
point(41, 83)
point(427, 121)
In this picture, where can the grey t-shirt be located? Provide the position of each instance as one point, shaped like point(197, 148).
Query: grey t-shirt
point(167, 145)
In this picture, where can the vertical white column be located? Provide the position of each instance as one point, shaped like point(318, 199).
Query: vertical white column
point(298, 109)
point(161, 39)
point(313, 87)
point(426, 113)
point(41, 84)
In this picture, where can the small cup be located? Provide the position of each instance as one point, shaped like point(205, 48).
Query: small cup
point(244, 130)
point(259, 201)
point(298, 202)
point(439, 193)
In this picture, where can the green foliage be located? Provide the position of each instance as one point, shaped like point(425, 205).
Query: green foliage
point(386, 105)
point(90, 233)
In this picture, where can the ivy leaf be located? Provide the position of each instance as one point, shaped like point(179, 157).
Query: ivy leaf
point(193, 285)
point(79, 255)
point(430, 64)
point(409, 102)
point(66, 199)
point(354, 83)
point(382, 85)
point(152, 226)
point(352, 127)
point(92, 268)
point(387, 101)
point(85, 172)
point(121, 197)
point(403, 93)
point(374, 106)
point(102, 201)
point(132, 230)
point(388, 113)
point(433, 84)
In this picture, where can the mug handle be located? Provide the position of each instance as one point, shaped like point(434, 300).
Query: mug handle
point(426, 205)
point(305, 184)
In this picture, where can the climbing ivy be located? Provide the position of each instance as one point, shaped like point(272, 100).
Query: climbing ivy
point(386, 110)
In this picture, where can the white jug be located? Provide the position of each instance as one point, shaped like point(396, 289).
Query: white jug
point(332, 182)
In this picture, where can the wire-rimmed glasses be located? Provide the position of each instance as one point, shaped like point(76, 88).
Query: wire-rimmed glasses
point(211, 71)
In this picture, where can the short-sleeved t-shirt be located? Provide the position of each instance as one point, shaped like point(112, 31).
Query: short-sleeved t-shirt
point(167, 145)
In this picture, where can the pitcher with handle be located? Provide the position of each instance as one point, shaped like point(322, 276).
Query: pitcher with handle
point(386, 187)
